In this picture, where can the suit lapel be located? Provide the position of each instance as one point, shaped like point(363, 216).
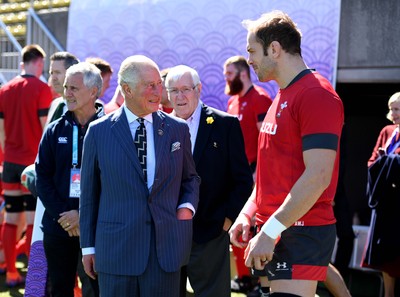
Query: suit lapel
point(203, 133)
point(120, 129)
point(160, 132)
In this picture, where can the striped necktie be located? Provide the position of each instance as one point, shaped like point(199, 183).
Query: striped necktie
point(141, 146)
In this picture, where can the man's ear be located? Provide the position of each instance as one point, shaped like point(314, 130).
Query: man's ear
point(276, 49)
point(126, 89)
point(199, 86)
point(93, 92)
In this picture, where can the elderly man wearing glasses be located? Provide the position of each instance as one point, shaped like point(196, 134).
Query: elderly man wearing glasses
point(226, 181)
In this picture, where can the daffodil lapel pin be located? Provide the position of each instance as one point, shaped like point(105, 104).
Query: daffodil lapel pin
point(210, 120)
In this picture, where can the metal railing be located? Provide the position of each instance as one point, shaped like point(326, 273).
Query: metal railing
point(38, 33)
point(10, 48)
point(10, 58)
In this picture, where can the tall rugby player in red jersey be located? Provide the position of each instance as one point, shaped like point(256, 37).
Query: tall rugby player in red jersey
point(297, 167)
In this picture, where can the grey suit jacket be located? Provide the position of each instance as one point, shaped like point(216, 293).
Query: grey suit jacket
point(117, 210)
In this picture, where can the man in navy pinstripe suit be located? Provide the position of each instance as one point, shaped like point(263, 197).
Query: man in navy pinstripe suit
point(136, 235)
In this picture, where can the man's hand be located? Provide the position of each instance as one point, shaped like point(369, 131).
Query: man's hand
point(259, 251)
point(69, 221)
point(184, 214)
point(74, 232)
point(88, 265)
point(227, 224)
point(240, 231)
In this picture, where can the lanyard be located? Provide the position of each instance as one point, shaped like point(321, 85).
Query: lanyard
point(75, 146)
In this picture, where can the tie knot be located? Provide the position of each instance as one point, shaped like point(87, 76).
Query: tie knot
point(141, 120)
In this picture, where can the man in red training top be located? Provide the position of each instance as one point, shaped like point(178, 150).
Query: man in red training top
point(24, 103)
point(297, 166)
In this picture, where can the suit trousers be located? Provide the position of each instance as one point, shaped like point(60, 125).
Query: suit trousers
point(62, 255)
point(61, 252)
point(90, 287)
point(154, 282)
point(209, 268)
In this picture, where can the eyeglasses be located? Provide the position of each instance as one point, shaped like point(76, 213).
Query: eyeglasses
point(185, 90)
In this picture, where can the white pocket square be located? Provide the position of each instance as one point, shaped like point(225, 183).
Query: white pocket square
point(175, 146)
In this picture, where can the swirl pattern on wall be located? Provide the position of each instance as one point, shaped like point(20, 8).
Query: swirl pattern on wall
point(37, 268)
point(201, 34)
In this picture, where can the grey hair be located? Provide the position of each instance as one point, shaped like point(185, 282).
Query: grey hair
point(131, 67)
point(175, 73)
point(91, 75)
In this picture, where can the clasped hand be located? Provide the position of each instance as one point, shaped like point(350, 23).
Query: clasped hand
point(259, 250)
point(69, 221)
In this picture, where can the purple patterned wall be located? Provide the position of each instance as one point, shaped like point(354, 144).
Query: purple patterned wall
point(201, 34)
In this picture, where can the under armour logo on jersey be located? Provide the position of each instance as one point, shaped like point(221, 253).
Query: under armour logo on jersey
point(62, 139)
point(281, 265)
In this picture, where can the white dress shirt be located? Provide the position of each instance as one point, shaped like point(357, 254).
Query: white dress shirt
point(193, 122)
point(151, 156)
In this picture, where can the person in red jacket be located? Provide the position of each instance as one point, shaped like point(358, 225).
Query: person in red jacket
point(384, 255)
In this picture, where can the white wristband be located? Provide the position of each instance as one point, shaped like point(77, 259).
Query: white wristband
point(273, 228)
point(249, 208)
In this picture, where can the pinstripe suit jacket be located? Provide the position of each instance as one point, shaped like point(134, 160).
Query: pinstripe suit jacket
point(116, 208)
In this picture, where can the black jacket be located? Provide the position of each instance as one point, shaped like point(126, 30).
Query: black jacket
point(53, 169)
point(383, 190)
point(226, 179)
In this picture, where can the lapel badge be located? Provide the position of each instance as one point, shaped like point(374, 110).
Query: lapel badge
point(215, 145)
point(160, 132)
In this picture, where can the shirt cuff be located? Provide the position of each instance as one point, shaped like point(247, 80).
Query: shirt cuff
point(187, 205)
point(88, 251)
